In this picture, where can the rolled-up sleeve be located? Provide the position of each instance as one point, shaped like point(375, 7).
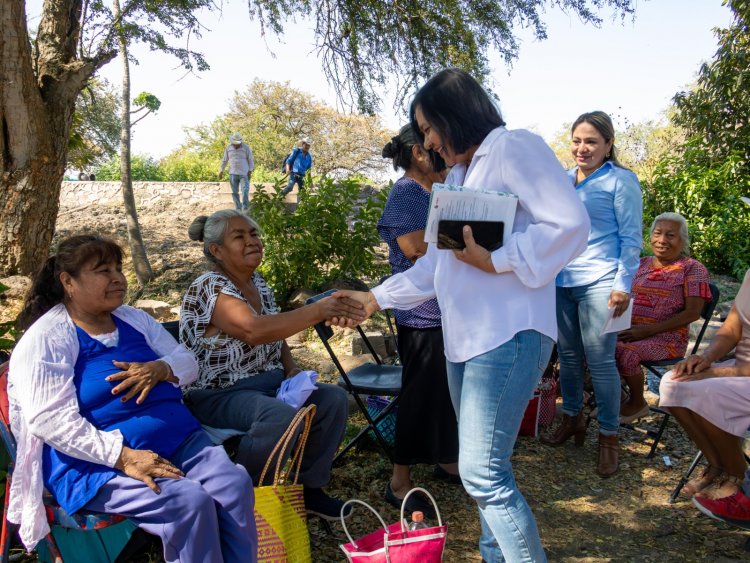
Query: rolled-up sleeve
point(628, 203)
point(559, 227)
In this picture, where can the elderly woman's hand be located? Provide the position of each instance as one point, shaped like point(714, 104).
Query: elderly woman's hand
point(367, 306)
point(635, 332)
point(693, 364)
point(341, 305)
point(145, 465)
point(139, 378)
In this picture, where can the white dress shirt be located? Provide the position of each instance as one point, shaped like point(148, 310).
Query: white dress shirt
point(44, 407)
point(481, 310)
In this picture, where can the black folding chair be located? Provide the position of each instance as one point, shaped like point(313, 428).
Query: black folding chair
point(367, 379)
point(659, 368)
point(173, 328)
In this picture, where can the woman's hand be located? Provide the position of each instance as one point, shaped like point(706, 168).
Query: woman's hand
point(694, 364)
point(145, 465)
point(636, 332)
point(366, 301)
point(619, 300)
point(139, 378)
point(340, 305)
point(473, 254)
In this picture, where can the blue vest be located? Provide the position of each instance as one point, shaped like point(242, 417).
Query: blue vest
point(161, 423)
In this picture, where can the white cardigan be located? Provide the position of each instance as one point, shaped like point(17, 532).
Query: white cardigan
point(481, 311)
point(44, 407)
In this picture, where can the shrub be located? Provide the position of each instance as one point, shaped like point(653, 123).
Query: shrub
point(331, 235)
point(707, 193)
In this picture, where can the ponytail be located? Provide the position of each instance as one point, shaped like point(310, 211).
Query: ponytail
point(46, 292)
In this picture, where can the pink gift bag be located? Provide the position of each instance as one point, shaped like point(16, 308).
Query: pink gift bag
point(395, 543)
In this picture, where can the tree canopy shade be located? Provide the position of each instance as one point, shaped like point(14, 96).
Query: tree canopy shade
point(364, 44)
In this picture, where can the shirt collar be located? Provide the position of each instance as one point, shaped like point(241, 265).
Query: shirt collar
point(603, 169)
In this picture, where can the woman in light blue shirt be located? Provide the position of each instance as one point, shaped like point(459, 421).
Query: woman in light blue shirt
point(597, 280)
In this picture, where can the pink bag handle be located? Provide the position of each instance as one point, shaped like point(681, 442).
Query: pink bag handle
point(343, 521)
point(403, 505)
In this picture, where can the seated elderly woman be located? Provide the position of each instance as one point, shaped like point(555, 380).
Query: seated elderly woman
point(711, 401)
point(230, 321)
point(669, 292)
point(97, 413)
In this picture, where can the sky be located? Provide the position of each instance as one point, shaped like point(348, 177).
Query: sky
point(629, 69)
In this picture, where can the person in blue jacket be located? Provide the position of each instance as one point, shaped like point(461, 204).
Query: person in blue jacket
point(297, 165)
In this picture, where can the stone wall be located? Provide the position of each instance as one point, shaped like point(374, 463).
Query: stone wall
point(76, 194)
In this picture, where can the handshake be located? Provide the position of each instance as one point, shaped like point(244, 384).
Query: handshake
point(345, 308)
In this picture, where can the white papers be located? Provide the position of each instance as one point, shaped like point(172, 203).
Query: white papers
point(458, 203)
point(616, 324)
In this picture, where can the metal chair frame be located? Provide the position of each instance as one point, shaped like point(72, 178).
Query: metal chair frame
point(368, 379)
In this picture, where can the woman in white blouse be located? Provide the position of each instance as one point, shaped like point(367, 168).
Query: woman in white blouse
point(97, 413)
point(498, 307)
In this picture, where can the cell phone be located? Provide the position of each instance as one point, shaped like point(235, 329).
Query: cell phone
point(488, 234)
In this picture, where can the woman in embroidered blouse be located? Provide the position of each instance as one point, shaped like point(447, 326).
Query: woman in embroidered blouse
point(426, 427)
point(597, 280)
point(95, 403)
point(497, 307)
point(230, 321)
point(669, 292)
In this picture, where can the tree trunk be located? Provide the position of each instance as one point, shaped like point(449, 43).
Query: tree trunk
point(142, 267)
point(35, 120)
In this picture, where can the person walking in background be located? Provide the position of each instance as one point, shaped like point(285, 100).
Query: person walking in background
point(426, 426)
point(297, 165)
point(597, 280)
point(241, 165)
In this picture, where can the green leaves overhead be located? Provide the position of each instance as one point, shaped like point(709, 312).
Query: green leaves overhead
point(365, 44)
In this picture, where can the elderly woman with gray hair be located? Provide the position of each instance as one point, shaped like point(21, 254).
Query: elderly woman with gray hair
point(669, 291)
point(230, 321)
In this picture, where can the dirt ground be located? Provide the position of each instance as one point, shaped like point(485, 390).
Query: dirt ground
point(581, 517)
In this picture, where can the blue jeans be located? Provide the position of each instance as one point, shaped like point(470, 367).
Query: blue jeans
point(240, 182)
point(581, 314)
point(294, 178)
point(490, 393)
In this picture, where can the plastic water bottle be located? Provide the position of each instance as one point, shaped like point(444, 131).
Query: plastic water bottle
point(417, 521)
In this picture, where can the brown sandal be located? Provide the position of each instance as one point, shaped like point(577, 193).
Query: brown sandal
point(709, 475)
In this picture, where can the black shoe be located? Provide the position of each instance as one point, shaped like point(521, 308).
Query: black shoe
point(318, 503)
point(442, 475)
point(415, 503)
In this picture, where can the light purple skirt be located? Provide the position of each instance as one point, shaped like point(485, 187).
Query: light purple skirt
point(723, 401)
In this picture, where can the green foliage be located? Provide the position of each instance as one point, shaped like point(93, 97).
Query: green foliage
point(95, 134)
point(273, 116)
point(142, 168)
point(707, 194)
point(704, 180)
point(331, 235)
point(148, 101)
point(368, 43)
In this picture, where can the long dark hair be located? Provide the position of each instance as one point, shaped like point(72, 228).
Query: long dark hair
point(73, 253)
point(399, 150)
point(457, 107)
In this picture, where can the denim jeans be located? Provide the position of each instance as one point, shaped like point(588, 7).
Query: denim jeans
point(490, 393)
point(294, 178)
point(240, 182)
point(581, 314)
